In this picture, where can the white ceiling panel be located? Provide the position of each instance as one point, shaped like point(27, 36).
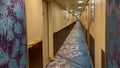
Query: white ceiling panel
point(72, 4)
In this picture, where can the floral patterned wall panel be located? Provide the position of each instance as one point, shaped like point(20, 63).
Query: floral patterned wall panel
point(113, 34)
point(12, 34)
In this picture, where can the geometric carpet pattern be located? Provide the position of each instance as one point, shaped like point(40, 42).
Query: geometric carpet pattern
point(74, 51)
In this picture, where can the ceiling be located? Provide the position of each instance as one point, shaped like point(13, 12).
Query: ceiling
point(72, 4)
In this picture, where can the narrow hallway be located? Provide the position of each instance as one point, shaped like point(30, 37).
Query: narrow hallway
point(74, 52)
point(59, 33)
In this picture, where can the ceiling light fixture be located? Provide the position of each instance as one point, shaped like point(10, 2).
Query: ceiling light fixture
point(79, 7)
point(75, 14)
point(92, 1)
point(80, 1)
point(92, 7)
point(71, 10)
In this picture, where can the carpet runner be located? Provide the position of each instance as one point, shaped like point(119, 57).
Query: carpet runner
point(74, 52)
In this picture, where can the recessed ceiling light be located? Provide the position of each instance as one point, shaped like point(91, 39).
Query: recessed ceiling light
point(79, 7)
point(80, 1)
point(71, 10)
point(92, 1)
point(92, 6)
point(75, 14)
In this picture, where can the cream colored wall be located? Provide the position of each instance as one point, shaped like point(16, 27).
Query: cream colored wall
point(45, 39)
point(100, 13)
point(87, 14)
point(50, 18)
point(61, 18)
point(34, 17)
point(98, 33)
point(71, 18)
point(97, 29)
point(84, 17)
point(34, 20)
point(103, 24)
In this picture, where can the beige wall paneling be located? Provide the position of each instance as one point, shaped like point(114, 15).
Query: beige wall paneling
point(103, 24)
point(57, 20)
point(50, 16)
point(34, 21)
point(103, 27)
point(88, 25)
point(98, 33)
point(45, 34)
point(59, 15)
point(97, 29)
point(100, 30)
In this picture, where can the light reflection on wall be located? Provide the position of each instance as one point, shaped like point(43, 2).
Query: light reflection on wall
point(92, 3)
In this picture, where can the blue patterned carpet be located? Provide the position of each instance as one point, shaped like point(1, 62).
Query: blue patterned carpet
point(74, 52)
